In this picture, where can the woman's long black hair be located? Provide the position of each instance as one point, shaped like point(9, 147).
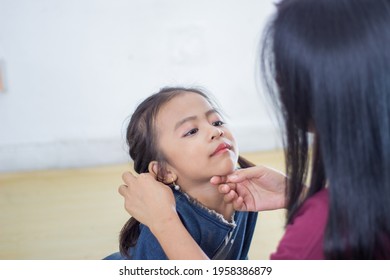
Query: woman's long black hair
point(330, 67)
point(141, 139)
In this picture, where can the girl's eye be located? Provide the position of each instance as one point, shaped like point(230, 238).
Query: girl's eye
point(218, 123)
point(191, 132)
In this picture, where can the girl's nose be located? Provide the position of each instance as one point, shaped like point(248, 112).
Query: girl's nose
point(217, 133)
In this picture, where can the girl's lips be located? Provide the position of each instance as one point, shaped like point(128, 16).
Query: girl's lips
point(221, 149)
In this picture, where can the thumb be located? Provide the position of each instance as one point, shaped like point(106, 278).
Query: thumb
point(246, 174)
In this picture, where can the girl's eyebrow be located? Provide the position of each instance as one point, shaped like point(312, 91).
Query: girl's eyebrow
point(191, 118)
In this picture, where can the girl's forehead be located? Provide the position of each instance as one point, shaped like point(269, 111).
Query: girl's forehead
point(186, 103)
point(180, 107)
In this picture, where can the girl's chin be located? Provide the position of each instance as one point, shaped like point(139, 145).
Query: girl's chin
point(226, 170)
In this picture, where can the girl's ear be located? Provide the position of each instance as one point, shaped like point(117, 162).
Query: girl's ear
point(170, 176)
point(153, 168)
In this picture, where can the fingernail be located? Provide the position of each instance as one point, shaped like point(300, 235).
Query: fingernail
point(232, 177)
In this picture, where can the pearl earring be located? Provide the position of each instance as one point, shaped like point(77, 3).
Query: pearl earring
point(177, 187)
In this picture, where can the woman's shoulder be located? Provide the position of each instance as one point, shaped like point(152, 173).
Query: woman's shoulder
point(317, 203)
point(303, 238)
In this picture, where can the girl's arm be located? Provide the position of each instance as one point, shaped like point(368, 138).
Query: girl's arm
point(153, 204)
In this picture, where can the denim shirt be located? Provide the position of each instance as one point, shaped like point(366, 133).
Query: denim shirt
point(218, 238)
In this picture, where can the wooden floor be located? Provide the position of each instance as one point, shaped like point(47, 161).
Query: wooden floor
point(77, 214)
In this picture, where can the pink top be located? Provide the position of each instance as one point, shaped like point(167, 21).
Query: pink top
point(303, 238)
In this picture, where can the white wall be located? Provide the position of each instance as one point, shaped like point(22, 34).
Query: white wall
point(75, 70)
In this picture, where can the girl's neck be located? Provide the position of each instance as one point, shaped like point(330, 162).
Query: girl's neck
point(208, 195)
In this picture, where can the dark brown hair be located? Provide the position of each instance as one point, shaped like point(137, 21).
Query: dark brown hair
point(327, 67)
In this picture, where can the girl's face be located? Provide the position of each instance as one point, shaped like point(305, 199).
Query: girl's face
point(195, 140)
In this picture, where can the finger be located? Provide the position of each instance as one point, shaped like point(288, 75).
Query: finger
point(216, 180)
point(238, 204)
point(230, 197)
point(123, 189)
point(223, 189)
point(247, 173)
point(128, 177)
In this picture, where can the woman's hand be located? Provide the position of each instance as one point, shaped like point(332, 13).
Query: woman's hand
point(153, 204)
point(147, 200)
point(255, 188)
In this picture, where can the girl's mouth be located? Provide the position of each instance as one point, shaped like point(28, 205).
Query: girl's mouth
point(223, 147)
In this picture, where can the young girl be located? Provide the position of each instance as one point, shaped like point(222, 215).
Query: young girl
point(179, 137)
